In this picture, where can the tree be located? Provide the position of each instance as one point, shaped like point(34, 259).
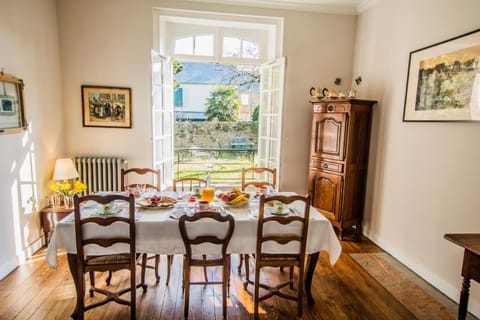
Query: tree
point(177, 68)
point(242, 76)
point(223, 104)
point(255, 113)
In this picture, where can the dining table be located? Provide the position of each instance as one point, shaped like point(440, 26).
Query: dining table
point(157, 232)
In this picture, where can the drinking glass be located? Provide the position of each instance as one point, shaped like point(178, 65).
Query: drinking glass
point(208, 194)
point(141, 188)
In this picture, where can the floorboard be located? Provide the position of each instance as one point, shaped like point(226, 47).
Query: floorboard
point(343, 291)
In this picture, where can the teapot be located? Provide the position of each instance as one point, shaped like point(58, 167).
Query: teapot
point(318, 92)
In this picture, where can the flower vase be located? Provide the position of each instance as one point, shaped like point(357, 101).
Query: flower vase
point(68, 202)
point(56, 201)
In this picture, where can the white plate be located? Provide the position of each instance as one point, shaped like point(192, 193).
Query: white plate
point(156, 207)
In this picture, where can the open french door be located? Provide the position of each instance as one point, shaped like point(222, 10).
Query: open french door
point(162, 116)
point(272, 78)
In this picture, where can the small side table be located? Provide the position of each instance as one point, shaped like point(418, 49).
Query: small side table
point(49, 218)
point(471, 265)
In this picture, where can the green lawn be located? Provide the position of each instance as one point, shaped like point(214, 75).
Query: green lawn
point(223, 170)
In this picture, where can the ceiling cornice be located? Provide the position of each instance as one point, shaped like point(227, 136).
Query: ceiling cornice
point(365, 5)
point(348, 8)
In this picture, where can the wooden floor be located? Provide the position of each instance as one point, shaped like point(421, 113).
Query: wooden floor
point(344, 291)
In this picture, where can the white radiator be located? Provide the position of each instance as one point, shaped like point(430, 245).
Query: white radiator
point(100, 173)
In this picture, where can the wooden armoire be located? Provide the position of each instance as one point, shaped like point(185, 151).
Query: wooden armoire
point(340, 137)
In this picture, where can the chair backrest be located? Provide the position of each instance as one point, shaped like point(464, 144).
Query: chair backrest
point(219, 233)
point(106, 232)
point(188, 184)
point(142, 171)
point(250, 177)
point(289, 230)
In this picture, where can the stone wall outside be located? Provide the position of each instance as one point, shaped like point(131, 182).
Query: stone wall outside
point(214, 134)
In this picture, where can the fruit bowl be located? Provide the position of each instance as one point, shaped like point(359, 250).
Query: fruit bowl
point(234, 198)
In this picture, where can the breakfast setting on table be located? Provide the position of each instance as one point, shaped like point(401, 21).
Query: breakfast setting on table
point(157, 214)
point(180, 203)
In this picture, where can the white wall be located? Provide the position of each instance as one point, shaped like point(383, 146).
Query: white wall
point(29, 50)
point(423, 177)
point(108, 43)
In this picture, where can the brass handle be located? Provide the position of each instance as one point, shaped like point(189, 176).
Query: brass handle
point(325, 166)
point(330, 108)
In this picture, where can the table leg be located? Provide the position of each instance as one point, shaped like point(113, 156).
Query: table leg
point(462, 307)
point(72, 265)
point(311, 263)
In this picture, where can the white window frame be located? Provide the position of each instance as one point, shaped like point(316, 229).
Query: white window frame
point(162, 117)
point(271, 108)
point(170, 23)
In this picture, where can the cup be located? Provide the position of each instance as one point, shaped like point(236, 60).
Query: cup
point(203, 205)
point(279, 207)
point(208, 194)
point(332, 93)
point(264, 190)
point(318, 92)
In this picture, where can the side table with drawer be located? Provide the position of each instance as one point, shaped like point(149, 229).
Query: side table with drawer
point(49, 218)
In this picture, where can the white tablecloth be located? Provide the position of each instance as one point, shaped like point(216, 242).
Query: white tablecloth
point(158, 233)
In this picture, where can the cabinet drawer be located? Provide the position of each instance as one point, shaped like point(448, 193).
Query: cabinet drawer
point(328, 107)
point(327, 166)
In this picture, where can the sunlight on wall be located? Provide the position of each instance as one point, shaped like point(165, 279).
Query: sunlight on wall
point(24, 193)
point(16, 218)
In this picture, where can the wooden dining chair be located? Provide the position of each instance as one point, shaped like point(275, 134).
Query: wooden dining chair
point(219, 234)
point(273, 232)
point(155, 175)
point(90, 232)
point(155, 179)
point(188, 184)
point(259, 176)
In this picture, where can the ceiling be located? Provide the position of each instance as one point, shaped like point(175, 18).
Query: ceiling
point(326, 6)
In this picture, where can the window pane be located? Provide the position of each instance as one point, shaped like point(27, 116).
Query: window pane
point(250, 50)
point(184, 45)
point(231, 47)
point(158, 116)
point(204, 45)
point(244, 98)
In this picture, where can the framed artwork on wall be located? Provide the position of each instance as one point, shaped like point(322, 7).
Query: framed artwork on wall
point(12, 110)
point(109, 107)
point(443, 82)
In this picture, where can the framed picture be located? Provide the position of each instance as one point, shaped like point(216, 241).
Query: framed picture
point(12, 114)
point(106, 107)
point(443, 81)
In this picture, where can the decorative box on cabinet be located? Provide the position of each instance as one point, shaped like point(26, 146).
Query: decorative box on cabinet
point(339, 145)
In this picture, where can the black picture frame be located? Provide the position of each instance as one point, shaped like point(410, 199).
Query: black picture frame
point(443, 81)
point(106, 107)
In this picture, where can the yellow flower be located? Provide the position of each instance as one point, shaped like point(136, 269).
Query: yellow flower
point(79, 187)
point(65, 188)
point(54, 186)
